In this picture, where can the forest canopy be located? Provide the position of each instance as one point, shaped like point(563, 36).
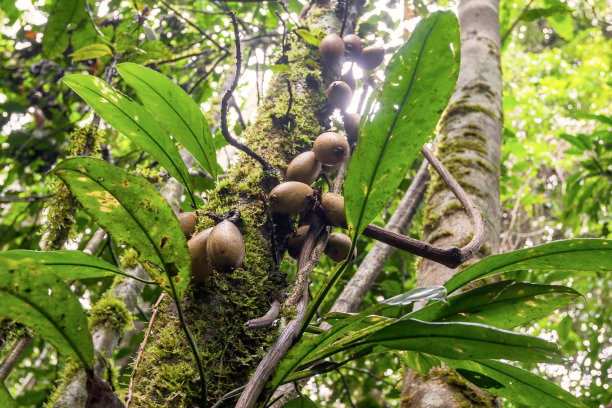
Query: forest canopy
point(230, 203)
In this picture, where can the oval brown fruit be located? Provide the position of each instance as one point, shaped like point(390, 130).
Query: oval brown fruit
point(349, 79)
point(330, 148)
point(352, 46)
point(200, 267)
point(339, 94)
point(290, 198)
point(188, 222)
point(225, 247)
point(296, 241)
point(338, 247)
point(351, 127)
point(371, 57)
point(304, 168)
point(331, 49)
point(333, 206)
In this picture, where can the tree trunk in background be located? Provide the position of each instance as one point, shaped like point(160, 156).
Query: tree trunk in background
point(469, 145)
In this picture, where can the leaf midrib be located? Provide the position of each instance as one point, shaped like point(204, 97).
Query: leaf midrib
point(95, 91)
point(182, 120)
point(153, 244)
point(48, 318)
point(379, 159)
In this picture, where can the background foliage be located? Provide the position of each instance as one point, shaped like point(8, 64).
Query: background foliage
point(556, 167)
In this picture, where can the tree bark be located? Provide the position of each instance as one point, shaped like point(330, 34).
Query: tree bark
point(216, 310)
point(469, 145)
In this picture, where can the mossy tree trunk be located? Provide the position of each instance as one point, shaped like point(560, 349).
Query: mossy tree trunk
point(469, 145)
point(217, 309)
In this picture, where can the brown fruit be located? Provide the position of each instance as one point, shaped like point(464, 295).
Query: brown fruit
point(331, 49)
point(352, 46)
point(290, 198)
point(349, 79)
point(328, 169)
point(351, 127)
point(200, 267)
point(333, 207)
point(304, 168)
point(296, 242)
point(339, 94)
point(330, 148)
point(225, 247)
point(338, 247)
point(371, 57)
point(188, 222)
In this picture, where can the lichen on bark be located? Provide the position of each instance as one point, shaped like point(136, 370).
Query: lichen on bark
point(217, 309)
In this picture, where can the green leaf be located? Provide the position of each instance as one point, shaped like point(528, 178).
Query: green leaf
point(91, 51)
point(131, 210)
point(505, 304)
point(65, 15)
point(463, 341)
point(33, 295)
point(6, 399)
point(420, 362)
point(574, 255)
point(312, 38)
point(349, 328)
point(133, 120)
point(517, 385)
point(175, 111)
point(70, 265)
point(301, 402)
point(419, 82)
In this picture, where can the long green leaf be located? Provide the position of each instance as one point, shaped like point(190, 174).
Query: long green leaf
point(574, 255)
point(350, 328)
point(33, 295)
point(133, 120)
point(70, 265)
point(131, 210)
point(505, 304)
point(174, 110)
point(463, 341)
point(514, 383)
point(65, 15)
point(419, 82)
point(6, 399)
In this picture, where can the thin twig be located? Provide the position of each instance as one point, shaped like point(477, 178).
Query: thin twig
point(155, 309)
point(14, 355)
point(186, 20)
point(346, 388)
point(27, 199)
point(207, 74)
point(224, 104)
point(95, 241)
point(518, 18)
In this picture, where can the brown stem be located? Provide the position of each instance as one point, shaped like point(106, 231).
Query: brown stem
point(14, 355)
point(224, 104)
point(451, 257)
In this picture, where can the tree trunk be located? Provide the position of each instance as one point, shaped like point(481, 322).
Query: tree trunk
point(469, 145)
point(217, 309)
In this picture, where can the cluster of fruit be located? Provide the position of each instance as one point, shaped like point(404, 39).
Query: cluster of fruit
point(222, 247)
point(333, 51)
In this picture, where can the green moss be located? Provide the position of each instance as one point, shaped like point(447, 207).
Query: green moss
point(467, 395)
point(216, 310)
point(72, 368)
point(129, 259)
point(111, 313)
point(462, 108)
